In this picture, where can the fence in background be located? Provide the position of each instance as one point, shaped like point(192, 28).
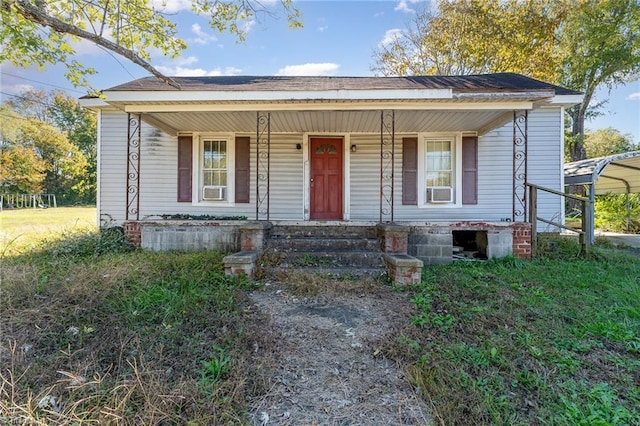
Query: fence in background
point(27, 201)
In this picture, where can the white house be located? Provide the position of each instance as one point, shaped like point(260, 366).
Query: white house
point(438, 154)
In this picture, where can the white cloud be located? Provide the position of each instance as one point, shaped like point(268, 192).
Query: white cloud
point(325, 68)
point(186, 60)
point(634, 97)
point(18, 88)
point(86, 47)
point(390, 37)
point(322, 28)
point(171, 6)
point(180, 71)
point(403, 6)
point(201, 36)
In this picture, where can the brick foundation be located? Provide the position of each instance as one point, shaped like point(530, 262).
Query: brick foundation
point(133, 233)
point(254, 235)
point(393, 238)
point(522, 240)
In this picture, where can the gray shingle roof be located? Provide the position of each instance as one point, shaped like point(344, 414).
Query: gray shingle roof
point(501, 82)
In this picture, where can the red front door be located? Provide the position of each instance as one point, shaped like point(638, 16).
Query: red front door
point(326, 178)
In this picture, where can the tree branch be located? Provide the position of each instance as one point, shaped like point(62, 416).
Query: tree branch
point(33, 13)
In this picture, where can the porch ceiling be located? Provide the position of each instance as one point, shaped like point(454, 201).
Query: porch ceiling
point(406, 121)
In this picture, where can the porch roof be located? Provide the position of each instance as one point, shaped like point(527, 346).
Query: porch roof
point(476, 103)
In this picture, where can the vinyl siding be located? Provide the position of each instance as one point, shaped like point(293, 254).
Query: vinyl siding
point(113, 168)
point(158, 183)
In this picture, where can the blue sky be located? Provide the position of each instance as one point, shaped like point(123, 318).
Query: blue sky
point(338, 38)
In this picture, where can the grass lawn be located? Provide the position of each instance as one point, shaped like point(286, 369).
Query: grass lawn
point(22, 230)
point(550, 341)
point(95, 332)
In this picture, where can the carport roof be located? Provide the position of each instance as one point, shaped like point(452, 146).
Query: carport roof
point(615, 174)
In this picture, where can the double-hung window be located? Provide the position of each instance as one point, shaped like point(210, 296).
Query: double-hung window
point(439, 180)
point(214, 159)
point(439, 170)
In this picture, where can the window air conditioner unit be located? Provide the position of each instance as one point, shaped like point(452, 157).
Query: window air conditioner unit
point(440, 195)
point(214, 193)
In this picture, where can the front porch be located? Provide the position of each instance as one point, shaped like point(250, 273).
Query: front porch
point(400, 248)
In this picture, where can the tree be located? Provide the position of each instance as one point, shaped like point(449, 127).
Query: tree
point(78, 124)
point(599, 45)
point(476, 36)
point(38, 157)
point(579, 44)
point(602, 142)
point(22, 171)
point(40, 32)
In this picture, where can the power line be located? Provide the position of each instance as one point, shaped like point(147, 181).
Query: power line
point(27, 99)
point(40, 82)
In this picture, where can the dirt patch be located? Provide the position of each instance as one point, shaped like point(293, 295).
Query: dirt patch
point(327, 364)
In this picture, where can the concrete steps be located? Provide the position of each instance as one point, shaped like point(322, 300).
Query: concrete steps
point(335, 251)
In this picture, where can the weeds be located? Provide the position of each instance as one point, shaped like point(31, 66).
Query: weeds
point(553, 340)
point(95, 332)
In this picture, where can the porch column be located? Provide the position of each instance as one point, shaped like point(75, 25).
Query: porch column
point(387, 164)
point(134, 141)
point(520, 136)
point(263, 164)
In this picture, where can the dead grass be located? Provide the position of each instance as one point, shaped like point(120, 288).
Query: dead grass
point(92, 332)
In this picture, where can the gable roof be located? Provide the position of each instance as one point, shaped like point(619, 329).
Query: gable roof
point(500, 82)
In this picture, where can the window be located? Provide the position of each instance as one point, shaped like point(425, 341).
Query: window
point(214, 170)
point(438, 170)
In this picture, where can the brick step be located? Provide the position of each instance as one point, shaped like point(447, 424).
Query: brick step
point(319, 231)
point(333, 259)
point(297, 244)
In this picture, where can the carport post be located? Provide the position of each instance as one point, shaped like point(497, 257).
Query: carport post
point(592, 211)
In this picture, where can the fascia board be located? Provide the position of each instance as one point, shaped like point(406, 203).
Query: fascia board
point(566, 100)
point(94, 103)
point(212, 96)
point(370, 106)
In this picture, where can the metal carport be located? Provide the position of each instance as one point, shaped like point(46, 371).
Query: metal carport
point(613, 174)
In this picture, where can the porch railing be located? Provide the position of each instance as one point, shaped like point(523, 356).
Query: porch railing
point(587, 219)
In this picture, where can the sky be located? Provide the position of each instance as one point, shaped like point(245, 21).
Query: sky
point(338, 39)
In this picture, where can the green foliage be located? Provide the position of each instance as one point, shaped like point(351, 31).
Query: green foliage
point(528, 342)
point(43, 33)
point(53, 137)
point(603, 142)
point(214, 369)
point(185, 216)
point(618, 213)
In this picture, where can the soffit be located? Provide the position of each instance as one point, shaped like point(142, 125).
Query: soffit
point(326, 121)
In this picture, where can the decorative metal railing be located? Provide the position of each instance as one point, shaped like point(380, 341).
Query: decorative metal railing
point(387, 164)
point(263, 164)
point(520, 167)
point(134, 142)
